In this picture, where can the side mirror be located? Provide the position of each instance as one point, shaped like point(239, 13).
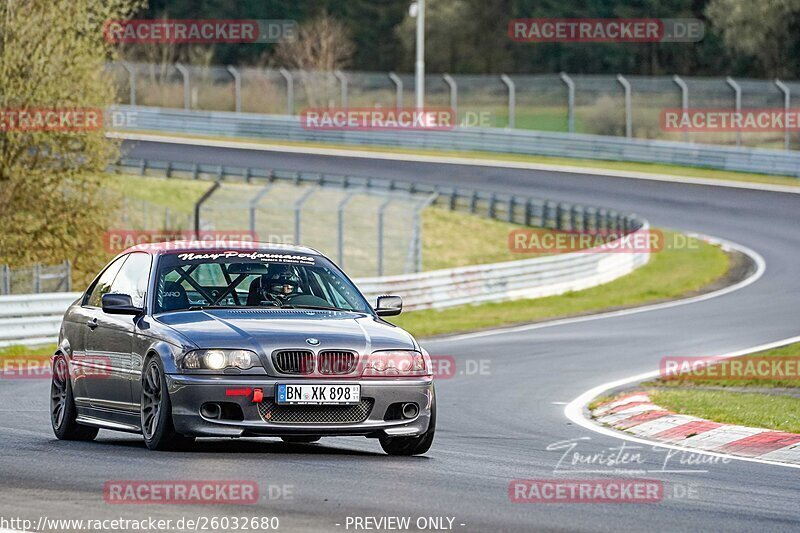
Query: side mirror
point(389, 305)
point(119, 304)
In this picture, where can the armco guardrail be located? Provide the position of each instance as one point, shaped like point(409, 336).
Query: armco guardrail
point(32, 318)
point(35, 319)
point(220, 123)
point(530, 278)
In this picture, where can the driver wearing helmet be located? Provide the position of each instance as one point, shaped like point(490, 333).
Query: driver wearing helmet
point(279, 283)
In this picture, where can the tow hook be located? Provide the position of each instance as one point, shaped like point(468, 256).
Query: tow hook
point(258, 395)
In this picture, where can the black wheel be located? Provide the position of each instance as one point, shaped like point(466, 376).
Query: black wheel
point(157, 428)
point(62, 406)
point(301, 439)
point(412, 445)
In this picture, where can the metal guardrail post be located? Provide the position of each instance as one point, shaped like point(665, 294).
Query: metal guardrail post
point(628, 105)
point(199, 204)
point(737, 92)
point(68, 274)
point(381, 214)
point(339, 75)
point(6, 280)
point(570, 101)
point(298, 206)
point(131, 81)
point(187, 89)
point(37, 278)
point(684, 99)
point(787, 99)
point(512, 100)
point(340, 228)
point(453, 86)
point(398, 84)
point(289, 90)
point(237, 88)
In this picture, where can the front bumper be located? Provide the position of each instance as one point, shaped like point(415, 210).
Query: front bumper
point(188, 393)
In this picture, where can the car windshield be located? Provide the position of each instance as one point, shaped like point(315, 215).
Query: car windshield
point(269, 279)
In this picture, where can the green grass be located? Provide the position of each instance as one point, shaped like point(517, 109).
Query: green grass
point(650, 168)
point(179, 195)
point(453, 239)
point(791, 351)
point(757, 410)
point(669, 274)
point(24, 353)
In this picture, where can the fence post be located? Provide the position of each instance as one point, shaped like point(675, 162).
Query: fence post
point(570, 101)
point(131, 81)
point(37, 278)
point(684, 99)
point(343, 86)
point(289, 90)
point(451, 83)
point(68, 274)
point(237, 88)
point(737, 92)
point(254, 205)
point(512, 100)
point(298, 205)
point(187, 90)
point(398, 84)
point(787, 98)
point(381, 213)
point(6, 280)
point(340, 227)
point(200, 202)
point(628, 105)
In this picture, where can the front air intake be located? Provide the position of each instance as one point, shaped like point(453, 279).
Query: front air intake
point(294, 361)
point(337, 362)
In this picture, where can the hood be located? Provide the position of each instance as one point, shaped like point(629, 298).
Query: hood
point(266, 330)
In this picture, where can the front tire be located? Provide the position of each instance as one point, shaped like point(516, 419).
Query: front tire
point(156, 410)
point(63, 413)
point(419, 445)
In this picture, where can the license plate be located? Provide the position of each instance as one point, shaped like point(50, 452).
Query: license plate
point(310, 394)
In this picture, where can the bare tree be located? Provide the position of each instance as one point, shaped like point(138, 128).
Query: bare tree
point(321, 44)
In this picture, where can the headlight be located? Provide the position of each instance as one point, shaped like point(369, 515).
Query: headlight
point(396, 363)
point(220, 359)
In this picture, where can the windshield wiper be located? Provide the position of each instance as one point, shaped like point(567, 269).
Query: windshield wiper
point(320, 307)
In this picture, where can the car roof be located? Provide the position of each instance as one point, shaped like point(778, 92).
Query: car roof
point(176, 247)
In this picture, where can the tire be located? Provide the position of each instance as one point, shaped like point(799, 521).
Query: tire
point(62, 406)
point(156, 410)
point(301, 439)
point(412, 445)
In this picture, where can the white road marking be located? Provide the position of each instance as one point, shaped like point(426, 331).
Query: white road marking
point(755, 276)
point(574, 411)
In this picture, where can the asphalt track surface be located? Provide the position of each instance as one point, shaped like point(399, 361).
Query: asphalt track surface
point(492, 428)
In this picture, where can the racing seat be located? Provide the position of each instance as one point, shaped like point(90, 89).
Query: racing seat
point(254, 293)
point(173, 297)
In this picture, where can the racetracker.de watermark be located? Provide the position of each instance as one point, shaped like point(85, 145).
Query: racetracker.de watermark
point(33, 119)
point(126, 492)
point(704, 120)
point(371, 118)
point(585, 491)
point(547, 241)
point(118, 240)
point(736, 368)
point(31, 367)
point(206, 31)
point(608, 30)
